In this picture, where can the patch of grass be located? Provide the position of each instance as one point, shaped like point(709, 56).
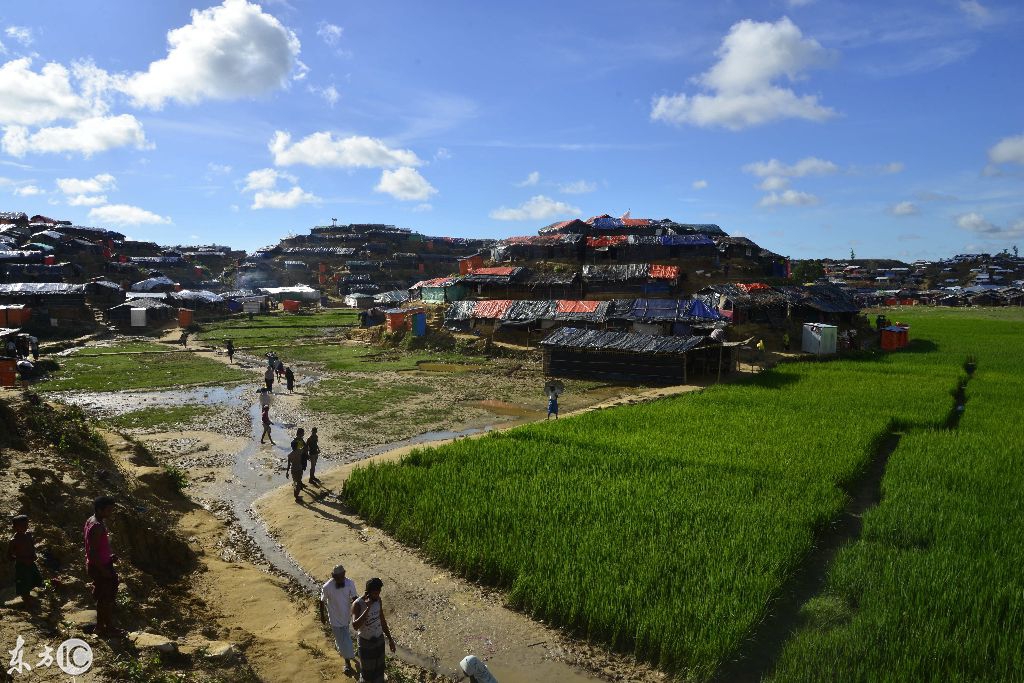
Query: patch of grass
point(133, 366)
point(358, 358)
point(151, 418)
point(279, 327)
point(361, 396)
point(178, 477)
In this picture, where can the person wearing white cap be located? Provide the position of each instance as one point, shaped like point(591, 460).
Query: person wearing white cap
point(337, 596)
point(476, 670)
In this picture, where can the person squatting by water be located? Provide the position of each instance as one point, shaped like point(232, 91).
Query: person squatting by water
point(336, 598)
point(99, 564)
point(297, 461)
point(372, 628)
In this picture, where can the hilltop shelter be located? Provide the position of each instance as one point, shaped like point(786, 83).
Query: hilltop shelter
point(632, 358)
point(147, 312)
point(299, 293)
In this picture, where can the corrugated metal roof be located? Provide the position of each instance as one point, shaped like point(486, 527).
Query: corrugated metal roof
point(30, 288)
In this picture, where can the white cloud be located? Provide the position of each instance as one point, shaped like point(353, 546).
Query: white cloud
point(27, 191)
point(577, 187)
point(805, 167)
point(976, 11)
point(903, 209)
point(28, 98)
point(977, 223)
point(330, 33)
point(98, 183)
point(222, 169)
point(21, 34)
point(405, 183)
point(535, 208)
point(265, 179)
point(87, 137)
point(87, 200)
point(531, 180)
point(423, 208)
point(322, 149)
point(773, 183)
point(893, 167)
point(1009, 150)
point(228, 52)
point(330, 94)
point(125, 214)
point(272, 199)
point(788, 198)
point(442, 154)
point(700, 184)
point(741, 85)
point(798, 3)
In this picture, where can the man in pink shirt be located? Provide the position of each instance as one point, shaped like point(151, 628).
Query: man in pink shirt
point(99, 564)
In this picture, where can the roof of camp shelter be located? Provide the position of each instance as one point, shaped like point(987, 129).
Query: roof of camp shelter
point(152, 283)
point(197, 295)
point(496, 275)
point(460, 310)
point(21, 255)
point(148, 302)
point(395, 296)
point(30, 288)
point(825, 298)
point(669, 310)
point(436, 282)
point(541, 279)
point(571, 337)
point(616, 273)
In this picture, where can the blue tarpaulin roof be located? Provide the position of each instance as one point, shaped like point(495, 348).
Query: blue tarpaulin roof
point(571, 337)
point(671, 310)
point(686, 241)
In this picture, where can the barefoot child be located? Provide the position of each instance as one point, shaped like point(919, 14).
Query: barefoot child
point(22, 549)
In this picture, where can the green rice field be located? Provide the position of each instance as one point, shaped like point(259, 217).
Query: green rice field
point(670, 529)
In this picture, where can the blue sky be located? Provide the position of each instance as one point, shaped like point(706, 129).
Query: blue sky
point(811, 126)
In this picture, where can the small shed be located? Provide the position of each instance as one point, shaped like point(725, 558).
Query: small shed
point(894, 337)
point(819, 339)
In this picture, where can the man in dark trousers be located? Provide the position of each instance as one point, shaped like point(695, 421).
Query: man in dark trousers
point(313, 453)
point(99, 564)
point(372, 627)
point(289, 378)
point(229, 346)
point(297, 461)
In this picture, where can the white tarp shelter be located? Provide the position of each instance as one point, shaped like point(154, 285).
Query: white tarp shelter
point(138, 317)
point(301, 293)
point(820, 339)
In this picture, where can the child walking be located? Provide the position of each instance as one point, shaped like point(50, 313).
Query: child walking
point(22, 549)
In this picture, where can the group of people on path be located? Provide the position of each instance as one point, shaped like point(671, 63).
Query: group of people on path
point(276, 367)
point(343, 608)
point(22, 346)
point(304, 451)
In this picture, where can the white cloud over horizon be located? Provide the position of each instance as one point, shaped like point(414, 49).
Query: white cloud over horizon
point(788, 198)
point(28, 191)
point(903, 209)
point(531, 180)
point(322, 149)
point(805, 167)
point(406, 184)
point(98, 183)
point(699, 184)
point(1009, 150)
point(741, 88)
point(537, 207)
point(86, 137)
point(977, 223)
point(125, 214)
point(578, 187)
point(274, 199)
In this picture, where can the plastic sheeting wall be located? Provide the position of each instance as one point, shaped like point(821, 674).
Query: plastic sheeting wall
point(820, 339)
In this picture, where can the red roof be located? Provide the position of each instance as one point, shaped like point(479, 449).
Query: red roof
point(633, 222)
point(606, 240)
point(660, 272)
point(571, 306)
point(494, 308)
point(436, 282)
point(752, 286)
point(496, 270)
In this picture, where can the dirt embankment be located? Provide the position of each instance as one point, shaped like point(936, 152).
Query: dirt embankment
point(195, 596)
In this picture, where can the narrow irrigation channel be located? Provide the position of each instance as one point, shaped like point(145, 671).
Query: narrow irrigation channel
point(758, 655)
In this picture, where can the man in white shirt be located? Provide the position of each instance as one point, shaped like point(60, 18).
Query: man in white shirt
point(337, 596)
point(369, 622)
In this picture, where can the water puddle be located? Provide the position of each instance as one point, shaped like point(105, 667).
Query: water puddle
point(118, 402)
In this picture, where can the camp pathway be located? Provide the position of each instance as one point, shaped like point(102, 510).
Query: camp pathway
point(436, 617)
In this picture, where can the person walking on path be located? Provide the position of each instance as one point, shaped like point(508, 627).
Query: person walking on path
point(336, 598)
point(22, 549)
point(266, 425)
point(34, 344)
point(268, 377)
point(372, 627)
point(99, 564)
point(297, 461)
point(313, 452)
point(229, 346)
point(265, 396)
point(280, 369)
point(289, 378)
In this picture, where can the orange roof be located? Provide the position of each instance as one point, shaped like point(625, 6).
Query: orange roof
point(660, 272)
point(575, 306)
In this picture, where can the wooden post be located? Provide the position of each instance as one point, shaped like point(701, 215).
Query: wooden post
point(720, 347)
point(684, 368)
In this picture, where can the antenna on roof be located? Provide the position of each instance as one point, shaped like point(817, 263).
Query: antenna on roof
point(334, 222)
